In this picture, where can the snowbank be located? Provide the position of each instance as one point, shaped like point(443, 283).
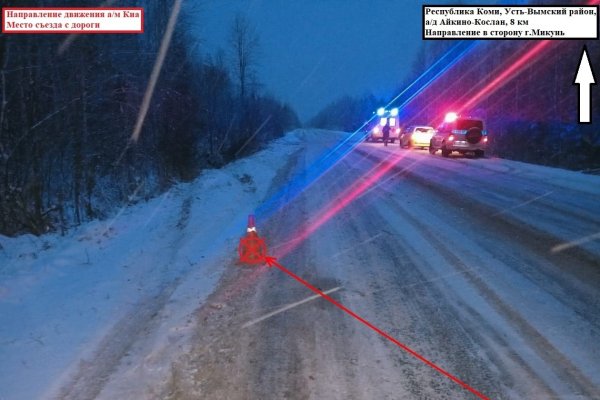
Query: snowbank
point(123, 291)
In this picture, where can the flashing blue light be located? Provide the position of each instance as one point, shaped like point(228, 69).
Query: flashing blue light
point(307, 177)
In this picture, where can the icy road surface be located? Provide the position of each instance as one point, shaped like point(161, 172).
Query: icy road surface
point(489, 268)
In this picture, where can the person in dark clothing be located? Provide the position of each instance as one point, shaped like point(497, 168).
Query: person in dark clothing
point(386, 133)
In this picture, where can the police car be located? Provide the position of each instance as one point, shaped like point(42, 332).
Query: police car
point(461, 134)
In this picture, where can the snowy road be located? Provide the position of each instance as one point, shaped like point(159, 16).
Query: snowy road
point(488, 268)
point(463, 260)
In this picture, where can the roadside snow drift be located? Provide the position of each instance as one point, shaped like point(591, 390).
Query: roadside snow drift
point(122, 290)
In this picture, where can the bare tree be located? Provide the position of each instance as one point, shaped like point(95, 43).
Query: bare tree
point(67, 108)
point(245, 44)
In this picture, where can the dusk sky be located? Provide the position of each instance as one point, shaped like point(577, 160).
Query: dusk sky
point(314, 51)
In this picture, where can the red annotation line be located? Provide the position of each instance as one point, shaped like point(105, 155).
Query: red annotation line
point(272, 261)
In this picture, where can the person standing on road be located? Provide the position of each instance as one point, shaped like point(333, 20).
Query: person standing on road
point(386, 133)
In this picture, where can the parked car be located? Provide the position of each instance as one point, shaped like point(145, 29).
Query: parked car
point(460, 134)
point(416, 136)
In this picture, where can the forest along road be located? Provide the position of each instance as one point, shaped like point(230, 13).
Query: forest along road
point(488, 268)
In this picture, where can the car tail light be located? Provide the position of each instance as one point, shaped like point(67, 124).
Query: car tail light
point(485, 139)
point(450, 138)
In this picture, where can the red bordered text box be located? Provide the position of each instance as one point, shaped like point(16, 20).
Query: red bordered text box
point(107, 25)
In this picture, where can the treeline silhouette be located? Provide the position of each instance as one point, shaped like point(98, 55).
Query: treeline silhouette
point(69, 104)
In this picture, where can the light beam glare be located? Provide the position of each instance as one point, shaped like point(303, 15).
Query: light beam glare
point(346, 145)
point(508, 74)
point(160, 58)
point(575, 243)
point(504, 77)
point(334, 207)
point(344, 199)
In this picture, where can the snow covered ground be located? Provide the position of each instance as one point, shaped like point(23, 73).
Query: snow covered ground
point(455, 258)
point(490, 268)
point(122, 290)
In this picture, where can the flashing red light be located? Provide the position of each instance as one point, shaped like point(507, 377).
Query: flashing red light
point(451, 117)
point(450, 138)
point(485, 139)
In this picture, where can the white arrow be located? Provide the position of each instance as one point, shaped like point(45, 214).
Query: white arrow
point(584, 78)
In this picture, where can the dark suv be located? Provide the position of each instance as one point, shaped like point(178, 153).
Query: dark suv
point(464, 135)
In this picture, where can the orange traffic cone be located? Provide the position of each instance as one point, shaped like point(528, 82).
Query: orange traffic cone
point(252, 248)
